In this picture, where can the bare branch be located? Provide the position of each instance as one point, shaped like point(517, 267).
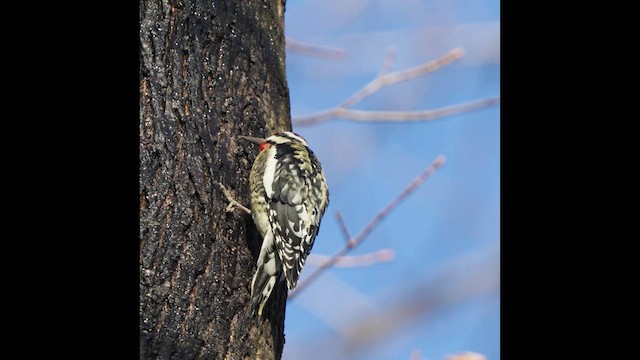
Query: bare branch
point(343, 227)
point(389, 58)
point(352, 243)
point(389, 79)
point(438, 162)
point(383, 79)
point(457, 280)
point(398, 116)
point(468, 355)
point(424, 115)
point(415, 355)
point(317, 117)
point(380, 256)
point(464, 277)
point(323, 52)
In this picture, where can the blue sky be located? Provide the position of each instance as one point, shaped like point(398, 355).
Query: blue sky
point(445, 237)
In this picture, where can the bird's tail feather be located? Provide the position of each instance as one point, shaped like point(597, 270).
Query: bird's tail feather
point(261, 290)
point(265, 277)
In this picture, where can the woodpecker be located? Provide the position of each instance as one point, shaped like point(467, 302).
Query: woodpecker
point(289, 195)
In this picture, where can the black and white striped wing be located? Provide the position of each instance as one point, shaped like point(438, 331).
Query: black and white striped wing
point(294, 215)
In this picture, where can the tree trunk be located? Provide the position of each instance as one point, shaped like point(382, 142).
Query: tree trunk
point(209, 70)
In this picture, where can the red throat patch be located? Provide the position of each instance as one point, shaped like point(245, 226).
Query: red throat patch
point(265, 145)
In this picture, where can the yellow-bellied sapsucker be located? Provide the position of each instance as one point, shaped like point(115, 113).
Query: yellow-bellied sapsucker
point(289, 195)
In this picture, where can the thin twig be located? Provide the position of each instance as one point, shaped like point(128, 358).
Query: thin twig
point(438, 162)
point(384, 79)
point(415, 355)
point(352, 243)
point(468, 355)
point(389, 58)
point(324, 52)
point(317, 117)
point(361, 328)
point(461, 278)
point(344, 229)
point(400, 116)
point(391, 78)
point(425, 115)
point(380, 256)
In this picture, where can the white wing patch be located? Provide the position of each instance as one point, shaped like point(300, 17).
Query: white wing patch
point(270, 171)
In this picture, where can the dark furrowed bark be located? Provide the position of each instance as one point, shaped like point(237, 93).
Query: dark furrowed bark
point(209, 71)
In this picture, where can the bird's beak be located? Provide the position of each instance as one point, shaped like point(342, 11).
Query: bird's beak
point(254, 140)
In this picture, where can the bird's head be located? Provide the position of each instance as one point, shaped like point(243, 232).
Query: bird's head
point(276, 139)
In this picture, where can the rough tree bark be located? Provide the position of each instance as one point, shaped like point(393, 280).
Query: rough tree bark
point(209, 70)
